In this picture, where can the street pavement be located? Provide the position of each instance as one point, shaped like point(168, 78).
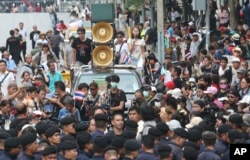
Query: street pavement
point(11, 21)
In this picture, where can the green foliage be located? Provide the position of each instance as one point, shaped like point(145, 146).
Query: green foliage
point(135, 3)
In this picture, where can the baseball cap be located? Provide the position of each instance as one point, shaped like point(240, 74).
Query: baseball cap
point(211, 90)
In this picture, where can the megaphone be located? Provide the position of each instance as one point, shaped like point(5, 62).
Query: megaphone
point(102, 32)
point(102, 56)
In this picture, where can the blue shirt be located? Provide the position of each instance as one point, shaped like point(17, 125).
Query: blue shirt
point(146, 156)
point(10, 64)
point(97, 158)
point(171, 31)
point(64, 112)
point(82, 155)
point(97, 133)
point(208, 155)
point(54, 78)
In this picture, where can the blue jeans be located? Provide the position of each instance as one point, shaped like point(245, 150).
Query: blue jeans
point(134, 61)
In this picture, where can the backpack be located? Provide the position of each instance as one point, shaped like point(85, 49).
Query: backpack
point(148, 126)
point(154, 34)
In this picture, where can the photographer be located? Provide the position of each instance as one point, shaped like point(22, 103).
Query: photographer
point(91, 100)
point(139, 100)
point(41, 75)
point(117, 96)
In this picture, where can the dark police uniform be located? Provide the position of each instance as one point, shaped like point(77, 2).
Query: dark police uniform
point(83, 155)
point(97, 157)
point(208, 155)
point(126, 158)
point(24, 156)
point(176, 151)
point(1, 152)
point(221, 147)
point(147, 156)
point(8, 156)
point(97, 133)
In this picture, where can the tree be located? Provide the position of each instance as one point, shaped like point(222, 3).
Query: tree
point(233, 17)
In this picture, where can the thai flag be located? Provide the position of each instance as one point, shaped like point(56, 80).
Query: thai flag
point(188, 55)
point(126, 59)
point(78, 95)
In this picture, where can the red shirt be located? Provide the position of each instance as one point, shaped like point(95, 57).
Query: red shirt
point(61, 26)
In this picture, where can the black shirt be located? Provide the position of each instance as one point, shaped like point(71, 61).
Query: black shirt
point(83, 50)
point(116, 98)
point(178, 82)
point(150, 33)
point(13, 45)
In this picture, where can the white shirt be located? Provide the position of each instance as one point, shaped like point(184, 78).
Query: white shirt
point(42, 41)
point(6, 82)
point(123, 52)
point(23, 32)
point(138, 44)
point(194, 48)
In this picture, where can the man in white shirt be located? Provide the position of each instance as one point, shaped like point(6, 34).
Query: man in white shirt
point(5, 77)
point(194, 45)
point(23, 32)
point(121, 49)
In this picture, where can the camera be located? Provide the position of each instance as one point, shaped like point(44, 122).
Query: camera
point(40, 68)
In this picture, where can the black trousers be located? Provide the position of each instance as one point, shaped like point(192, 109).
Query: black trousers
point(23, 49)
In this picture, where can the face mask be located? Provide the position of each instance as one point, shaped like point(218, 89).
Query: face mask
point(113, 85)
point(223, 86)
point(37, 83)
point(33, 125)
point(157, 104)
point(178, 106)
point(145, 93)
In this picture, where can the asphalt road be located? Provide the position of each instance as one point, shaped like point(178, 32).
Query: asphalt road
point(11, 21)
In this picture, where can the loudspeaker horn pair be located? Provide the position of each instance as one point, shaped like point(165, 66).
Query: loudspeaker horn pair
point(102, 56)
point(102, 32)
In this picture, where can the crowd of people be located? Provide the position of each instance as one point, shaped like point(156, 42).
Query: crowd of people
point(192, 106)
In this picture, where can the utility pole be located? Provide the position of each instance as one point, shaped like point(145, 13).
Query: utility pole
point(143, 10)
point(160, 30)
point(207, 25)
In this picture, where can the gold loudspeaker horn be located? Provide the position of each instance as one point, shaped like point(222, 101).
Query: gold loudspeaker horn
point(102, 32)
point(102, 56)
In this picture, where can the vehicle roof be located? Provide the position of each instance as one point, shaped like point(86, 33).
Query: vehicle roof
point(115, 70)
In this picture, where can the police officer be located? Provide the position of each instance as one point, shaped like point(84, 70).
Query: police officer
point(29, 146)
point(221, 145)
point(111, 153)
point(85, 146)
point(98, 147)
point(49, 153)
point(194, 139)
point(53, 135)
point(177, 142)
point(209, 139)
point(101, 123)
point(3, 137)
point(68, 126)
point(69, 150)
point(11, 148)
point(147, 148)
point(164, 152)
point(189, 153)
point(131, 149)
